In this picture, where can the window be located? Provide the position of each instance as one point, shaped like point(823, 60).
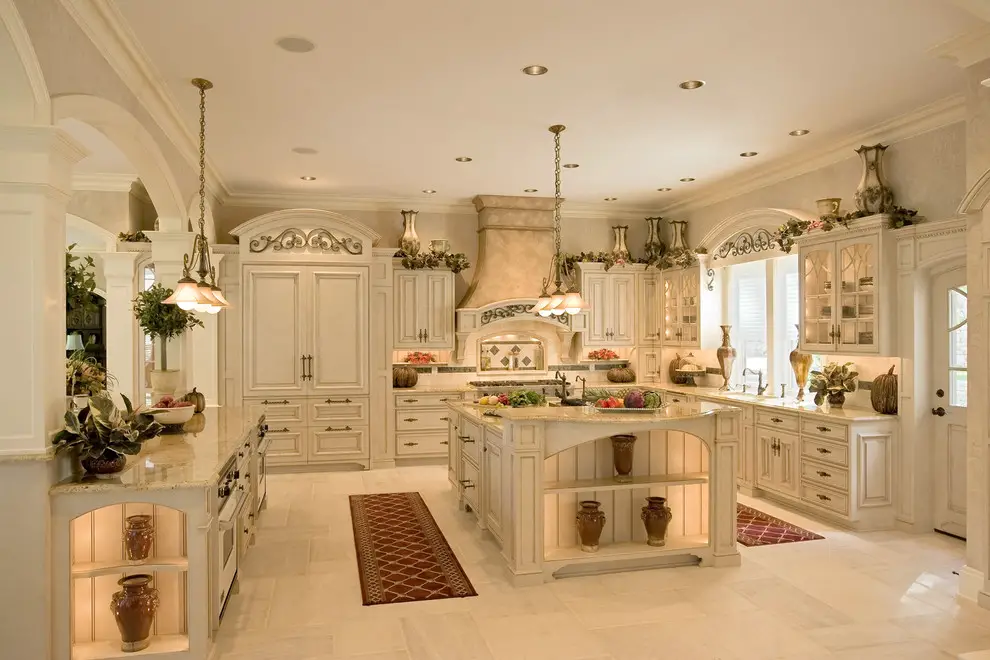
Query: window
point(749, 332)
point(958, 298)
point(148, 346)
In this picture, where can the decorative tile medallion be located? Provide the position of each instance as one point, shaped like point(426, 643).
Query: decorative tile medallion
point(402, 555)
point(757, 528)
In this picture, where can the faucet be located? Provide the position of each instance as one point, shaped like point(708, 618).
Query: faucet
point(760, 387)
point(563, 384)
point(584, 383)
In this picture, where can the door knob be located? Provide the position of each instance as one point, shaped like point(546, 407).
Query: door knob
point(940, 411)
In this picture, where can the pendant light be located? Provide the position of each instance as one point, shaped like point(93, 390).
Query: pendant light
point(561, 301)
point(191, 294)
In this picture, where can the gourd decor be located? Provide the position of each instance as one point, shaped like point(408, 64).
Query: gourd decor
point(675, 364)
point(197, 399)
point(883, 393)
point(621, 375)
point(404, 377)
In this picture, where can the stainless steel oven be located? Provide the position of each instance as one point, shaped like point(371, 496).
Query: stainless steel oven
point(261, 472)
point(230, 497)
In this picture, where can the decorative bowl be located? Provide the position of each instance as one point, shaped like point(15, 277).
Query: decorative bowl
point(173, 416)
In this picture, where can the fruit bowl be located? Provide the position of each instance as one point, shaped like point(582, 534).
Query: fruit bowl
point(173, 416)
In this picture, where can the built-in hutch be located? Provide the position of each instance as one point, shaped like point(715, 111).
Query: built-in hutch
point(424, 309)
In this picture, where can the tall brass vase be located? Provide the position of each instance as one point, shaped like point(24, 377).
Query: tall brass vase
point(726, 357)
point(801, 364)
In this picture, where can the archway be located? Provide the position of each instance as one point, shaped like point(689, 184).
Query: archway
point(765, 218)
point(88, 236)
point(25, 99)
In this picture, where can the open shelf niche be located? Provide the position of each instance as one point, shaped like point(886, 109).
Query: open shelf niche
point(670, 464)
point(98, 561)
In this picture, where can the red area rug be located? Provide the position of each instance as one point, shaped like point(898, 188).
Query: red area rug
point(402, 555)
point(757, 528)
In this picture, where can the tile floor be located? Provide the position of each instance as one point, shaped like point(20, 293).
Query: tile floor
point(849, 597)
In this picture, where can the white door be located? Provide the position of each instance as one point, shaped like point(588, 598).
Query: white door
point(340, 332)
point(649, 304)
point(596, 288)
point(622, 292)
point(438, 313)
point(274, 338)
point(949, 334)
point(408, 326)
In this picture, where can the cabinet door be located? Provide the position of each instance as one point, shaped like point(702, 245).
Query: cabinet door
point(671, 309)
point(287, 445)
point(787, 475)
point(817, 299)
point(493, 487)
point(765, 459)
point(690, 309)
point(339, 331)
point(856, 327)
point(437, 310)
point(408, 326)
point(649, 304)
point(274, 330)
point(622, 301)
point(744, 467)
point(596, 288)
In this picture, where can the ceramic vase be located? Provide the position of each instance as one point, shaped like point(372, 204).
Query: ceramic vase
point(134, 608)
point(440, 246)
point(829, 205)
point(590, 523)
point(873, 195)
point(656, 517)
point(678, 239)
point(836, 399)
point(409, 243)
point(139, 534)
point(726, 357)
point(164, 382)
point(619, 249)
point(801, 364)
point(105, 466)
point(654, 243)
point(622, 457)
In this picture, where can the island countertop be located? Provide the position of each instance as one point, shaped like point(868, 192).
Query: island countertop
point(589, 414)
point(177, 460)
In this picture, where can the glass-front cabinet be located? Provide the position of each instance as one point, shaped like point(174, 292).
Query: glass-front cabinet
point(841, 289)
point(691, 312)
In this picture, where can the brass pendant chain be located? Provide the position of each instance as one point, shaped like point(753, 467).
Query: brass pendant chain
point(205, 267)
point(556, 129)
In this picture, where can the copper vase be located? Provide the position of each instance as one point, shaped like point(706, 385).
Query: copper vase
point(801, 364)
point(656, 517)
point(134, 609)
point(590, 523)
point(726, 355)
point(139, 534)
point(622, 457)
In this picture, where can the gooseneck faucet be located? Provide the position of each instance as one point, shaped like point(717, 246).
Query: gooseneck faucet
point(760, 387)
point(563, 384)
point(584, 384)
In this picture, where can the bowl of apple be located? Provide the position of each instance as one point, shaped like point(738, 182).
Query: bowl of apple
point(169, 411)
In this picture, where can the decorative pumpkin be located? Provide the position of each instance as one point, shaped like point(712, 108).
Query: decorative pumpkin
point(677, 363)
point(883, 393)
point(404, 377)
point(197, 399)
point(621, 375)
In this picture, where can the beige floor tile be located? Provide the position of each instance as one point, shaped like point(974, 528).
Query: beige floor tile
point(539, 637)
point(860, 635)
point(452, 636)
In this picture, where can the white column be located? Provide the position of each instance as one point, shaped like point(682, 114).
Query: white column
point(167, 251)
point(122, 336)
point(202, 364)
point(230, 356)
point(35, 174)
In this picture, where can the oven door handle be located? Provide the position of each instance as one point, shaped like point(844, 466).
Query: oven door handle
point(228, 512)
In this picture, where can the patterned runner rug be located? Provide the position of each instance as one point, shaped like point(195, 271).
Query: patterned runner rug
point(402, 555)
point(757, 528)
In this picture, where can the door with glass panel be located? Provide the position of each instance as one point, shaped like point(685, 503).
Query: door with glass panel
point(949, 386)
point(817, 267)
point(856, 325)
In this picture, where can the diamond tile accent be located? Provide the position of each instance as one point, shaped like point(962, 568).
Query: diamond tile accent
point(493, 350)
point(757, 528)
point(526, 361)
point(402, 555)
point(505, 362)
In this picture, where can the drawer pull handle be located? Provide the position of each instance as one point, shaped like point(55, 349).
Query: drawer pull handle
point(822, 450)
point(411, 419)
point(338, 401)
point(465, 438)
point(445, 419)
point(823, 473)
point(444, 442)
point(410, 444)
point(410, 400)
point(444, 400)
point(283, 402)
point(346, 428)
point(285, 430)
point(824, 498)
point(466, 483)
point(824, 429)
point(776, 420)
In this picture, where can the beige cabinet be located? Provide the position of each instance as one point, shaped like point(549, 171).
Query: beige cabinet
point(424, 309)
point(422, 424)
point(493, 505)
point(778, 461)
point(612, 299)
point(690, 310)
point(649, 302)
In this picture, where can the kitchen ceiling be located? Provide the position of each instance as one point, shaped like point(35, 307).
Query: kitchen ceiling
point(395, 91)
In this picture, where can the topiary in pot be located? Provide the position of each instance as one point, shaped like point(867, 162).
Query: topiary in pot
point(162, 322)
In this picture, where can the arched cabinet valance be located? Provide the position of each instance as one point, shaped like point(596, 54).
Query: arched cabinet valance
point(749, 235)
point(302, 234)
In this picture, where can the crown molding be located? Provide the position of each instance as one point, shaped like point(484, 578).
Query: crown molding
point(106, 27)
point(966, 49)
point(935, 115)
point(103, 182)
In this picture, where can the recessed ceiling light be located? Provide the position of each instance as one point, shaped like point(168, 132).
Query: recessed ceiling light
point(430, 192)
point(748, 154)
point(534, 70)
point(306, 151)
point(308, 178)
point(799, 132)
point(530, 190)
point(692, 84)
point(611, 199)
point(464, 159)
point(295, 44)
point(571, 166)
point(687, 179)
point(663, 189)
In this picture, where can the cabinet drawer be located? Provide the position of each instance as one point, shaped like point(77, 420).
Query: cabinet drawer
point(824, 429)
point(286, 445)
point(821, 450)
point(469, 482)
point(425, 399)
point(333, 410)
point(674, 397)
point(470, 438)
point(277, 411)
point(827, 499)
point(775, 420)
point(422, 420)
point(420, 444)
point(343, 443)
point(833, 477)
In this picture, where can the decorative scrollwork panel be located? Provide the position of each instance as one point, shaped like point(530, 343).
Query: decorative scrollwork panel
point(746, 243)
point(510, 311)
point(297, 239)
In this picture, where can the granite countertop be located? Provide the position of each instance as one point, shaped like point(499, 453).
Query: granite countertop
point(807, 407)
point(589, 414)
point(476, 412)
point(178, 460)
point(439, 389)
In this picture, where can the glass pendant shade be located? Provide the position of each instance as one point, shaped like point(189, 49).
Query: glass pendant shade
point(210, 301)
point(557, 302)
point(573, 303)
point(221, 302)
point(186, 295)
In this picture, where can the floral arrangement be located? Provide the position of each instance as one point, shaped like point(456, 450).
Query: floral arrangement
point(832, 380)
point(603, 354)
point(133, 237)
point(787, 232)
point(455, 261)
point(568, 260)
point(84, 376)
point(899, 217)
point(420, 357)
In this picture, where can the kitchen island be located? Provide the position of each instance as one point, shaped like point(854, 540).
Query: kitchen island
point(201, 490)
point(523, 473)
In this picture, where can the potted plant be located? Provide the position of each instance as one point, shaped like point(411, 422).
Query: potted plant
point(163, 322)
point(832, 382)
point(80, 285)
point(85, 377)
point(103, 435)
